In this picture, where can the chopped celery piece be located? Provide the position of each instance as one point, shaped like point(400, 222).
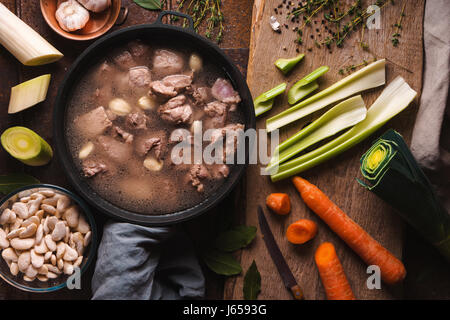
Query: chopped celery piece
point(26, 146)
point(28, 93)
point(368, 77)
point(342, 116)
point(394, 99)
point(306, 85)
point(264, 102)
point(23, 42)
point(298, 93)
point(286, 65)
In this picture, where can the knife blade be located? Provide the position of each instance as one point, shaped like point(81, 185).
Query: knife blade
point(277, 257)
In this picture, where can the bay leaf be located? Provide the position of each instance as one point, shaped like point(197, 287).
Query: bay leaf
point(149, 4)
point(221, 262)
point(235, 238)
point(252, 282)
point(13, 181)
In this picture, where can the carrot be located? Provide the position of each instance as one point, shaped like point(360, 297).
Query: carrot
point(372, 252)
point(332, 274)
point(301, 231)
point(279, 203)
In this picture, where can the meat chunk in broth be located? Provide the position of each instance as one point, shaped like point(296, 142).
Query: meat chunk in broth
point(117, 151)
point(178, 81)
point(93, 123)
point(223, 91)
point(93, 167)
point(138, 49)
point(162, 90)
point(201, 95)
point(156, 142)
point(217, 114)
point(166, 62)
point(124, 60)
point(126, 136)
point(176, 110)
point(197, 175)
point(137, 121)
point(139, 77)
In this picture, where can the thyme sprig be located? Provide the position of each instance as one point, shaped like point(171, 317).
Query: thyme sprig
point(207, 12)
point(398, 26)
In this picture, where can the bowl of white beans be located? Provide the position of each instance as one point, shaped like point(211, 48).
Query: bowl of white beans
point(47, 238)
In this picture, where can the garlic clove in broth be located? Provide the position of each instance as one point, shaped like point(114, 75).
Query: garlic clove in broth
point(71, 15)
point(119, 107)
point(153, 164)
point(147, 103)
point(195, 62)
point(86, 150)
point(95, 5)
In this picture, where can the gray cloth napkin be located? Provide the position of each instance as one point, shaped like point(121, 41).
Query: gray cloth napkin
point(142, 263)
point(431, 136)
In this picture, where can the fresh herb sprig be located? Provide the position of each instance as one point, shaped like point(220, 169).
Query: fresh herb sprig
point(398, 26)
point(206, 12)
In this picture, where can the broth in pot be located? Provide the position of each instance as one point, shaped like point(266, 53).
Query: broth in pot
point(131, 109)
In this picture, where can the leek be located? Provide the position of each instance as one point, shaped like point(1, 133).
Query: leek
point(28, 93)
point(368, 77)
point(393, 174)
point(342, 116)
point(394, 99)
point(286, 65)
point(264, 102)
point(306, 85)
point(23, 42)
point(26, 146)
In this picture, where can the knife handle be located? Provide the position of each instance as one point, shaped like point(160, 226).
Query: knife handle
point(297, 292)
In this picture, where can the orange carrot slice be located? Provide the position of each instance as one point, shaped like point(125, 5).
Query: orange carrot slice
point(301, 231)
point(279, 203)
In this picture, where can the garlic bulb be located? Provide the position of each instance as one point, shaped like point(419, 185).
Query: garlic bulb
point(71, 15)
point(95, 5)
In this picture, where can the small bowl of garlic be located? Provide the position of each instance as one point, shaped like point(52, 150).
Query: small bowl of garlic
point(81, 19)
point(47, 238)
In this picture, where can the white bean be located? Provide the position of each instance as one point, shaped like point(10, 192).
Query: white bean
point(22, 244)
point(10, 254)
point(59, 231)
point(20, 210)
point(51, 245)
point(4, 243)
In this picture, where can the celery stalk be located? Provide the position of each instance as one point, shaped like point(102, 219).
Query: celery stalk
point(286, 65)
point(342, 116)
point(394, 99)
point(264, 102)
point(306, 85)
point(368, 77)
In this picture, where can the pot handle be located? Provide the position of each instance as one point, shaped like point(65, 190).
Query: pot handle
point(175, 13)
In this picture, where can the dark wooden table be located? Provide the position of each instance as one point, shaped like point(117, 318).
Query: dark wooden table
point(426, 279)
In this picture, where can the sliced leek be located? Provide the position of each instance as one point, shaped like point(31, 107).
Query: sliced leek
point(26, 146)
point(394, 99)
point(306, 85)
point(342, 116)
point(368, 77)
point(392, 173)
point(286, 65)
point(264, 102)
point(28, 93)
point(23, 42)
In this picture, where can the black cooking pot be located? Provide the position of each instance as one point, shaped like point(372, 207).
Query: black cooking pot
point(158, 32)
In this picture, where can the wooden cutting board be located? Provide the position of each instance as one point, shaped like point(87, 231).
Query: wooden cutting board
point(336, 177)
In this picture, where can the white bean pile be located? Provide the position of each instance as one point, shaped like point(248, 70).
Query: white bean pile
point(43, 235)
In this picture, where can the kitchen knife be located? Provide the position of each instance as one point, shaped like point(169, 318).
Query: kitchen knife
point(277, 257)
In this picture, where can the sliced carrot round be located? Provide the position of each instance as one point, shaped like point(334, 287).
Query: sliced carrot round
point(301, 231)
